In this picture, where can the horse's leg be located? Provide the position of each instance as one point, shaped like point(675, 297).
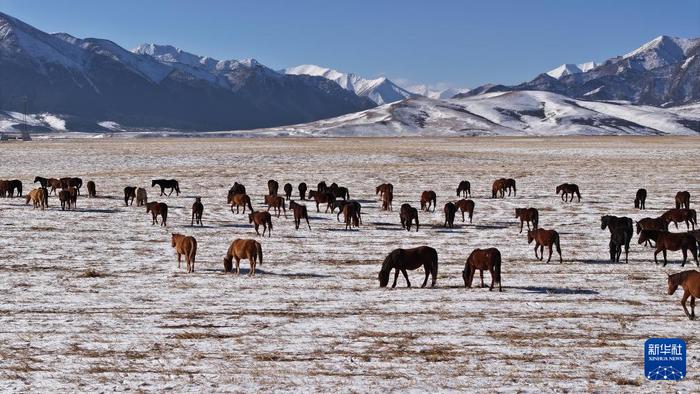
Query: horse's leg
point(481, 273)
point(178, 260)
point(463, 219)
point(256, 229)
point(656, 252)
point(692, 307)
point(426, 268)
point(536, 256)
point(686, 294)
point(493, 279)
point(665, 261)
point(521, 226)
point(685, 256)
point(396, 277)
point(238, 265)
point(550, 253)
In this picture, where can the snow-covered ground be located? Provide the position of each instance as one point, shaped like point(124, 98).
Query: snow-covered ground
point(314, 319)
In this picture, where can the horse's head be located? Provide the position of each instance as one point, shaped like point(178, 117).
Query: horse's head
point(465, 276)
point(173, 239)
point(518, 212)
point(387, 265)
point(250, 217)
point(639, 227)
point(530, 236)
point(643, 236)
point(154, 182)
point(604, 222)
point(673, 283)
point(558, 189)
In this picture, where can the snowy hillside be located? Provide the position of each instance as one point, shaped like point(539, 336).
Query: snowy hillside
point(435, 93)
point(569, 69)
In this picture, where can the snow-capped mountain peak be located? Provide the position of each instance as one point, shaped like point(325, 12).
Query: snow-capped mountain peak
point(660, 52)
point(569, 69)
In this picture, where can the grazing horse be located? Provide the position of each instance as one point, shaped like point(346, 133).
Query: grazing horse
point(566, 189)
point(321, 198)
point(158, 208)
point(409, 259)
point(13, 186)
point(261, 218)
point(302, 191)
point(38, 198)
point(674, 242)
point(613, 222)
point(408, 214)
point(619, 238)
point(272, 187)
point(187, 246)
point(464, 188)
point(288, 191)
point(92, 191)
point(248, 249)
point(384, 188)
point(649, 235)
point(483, 259)
point(683, 200)
point(690, 282)
point(466, 206)
point(42, 181)
point(658, 224)
point(55, 184)
point(64, 198)
point(197, 211)
point(498, 188)
point(510, 184)
point(341, 205)
point(544, 238)
point(277, 202)
point(352, 215)
point(640, 199)
point(689, 216)
point(300, 212)
point(427, 198)
point(171, 184)
point(129, 195)
point(141, 197)
point(240, 200)
point(528, 215)
point(450, 211)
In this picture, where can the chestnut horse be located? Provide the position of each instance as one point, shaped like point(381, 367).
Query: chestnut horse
point(158, 208)
point(465, 188)
point(272, 187)
point(466, 206)
point(483, 259)
point(387, 200)
point(38, 198)
point(300, 212)
point(352, 215)
point(302, 191)
point(427, 198)
point(55, 184)
point(450, 211)
point(341, 205)
point(566, 189)
point(408, 214)
point(129, 195)
point(92, 191)
point(197, 211)
point(288, 191)
point(658, 224)
point(689, 216)
point(321, 198)
point(248, 249)
point(240, 200)
point(683, 200)
point(382, 189)
point(528, 215)
point(640, 199)
point(171, 184)
point(187, 246)
point(277, 202)
point(649, 235)
point(498, 188)
point(409, 259)
point(141, 197)
point(674, 242)
point(544, 238)
point(690, 282)
point(261, 218)
point(65, 199)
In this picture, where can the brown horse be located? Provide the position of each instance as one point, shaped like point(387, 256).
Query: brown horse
point(528, 215)
point(302, 191)
point(689, 216)
point(55, 184)
point(690, 282)
point(465, 188)
point(276, 202)
point(498, 188)
point(321, 198)
point(272, 187)
point(187, 246)
point(408, 214)
point(300, 212)
point(427, 198)
point(141, 197)
point(248, 249)
point(64, 198)
point(240, 200)
point(483, 259)
point(38, 198)
point(568, 188)
point(129, 195)
point(237, 188)
point(73, 193)
point(352, 215)
point(92, 191)
point(409, 259)
point(674, 242)
point(450, 211)
point(382, 189)
point(158, 208)
point(342, 203)
point(261, 218)
point(649, 235)
point(683, 200)
point(544, 238)
point(4, 188)
point(640, 199)
point(288, 191)
point(466, 206)
point(387, 200)
point(197, 211)
point(67, 183)
point(658, 224)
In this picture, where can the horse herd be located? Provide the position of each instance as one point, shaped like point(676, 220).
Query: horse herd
point(652, 231)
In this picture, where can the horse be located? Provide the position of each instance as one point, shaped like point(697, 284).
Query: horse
point(341, 205)
point(483, 259)
point(55, 184)
point(409, 259)
point(71, 182)
point(640, 199)
point(302, 191)
point(64, 198)
point(649, 235)
point(465, 206)
point(240, 200)
point(566, 189)
point(171, 184)
point(407, 215)
point(277, 202)
point(158, 208)
point(509, 184)
point(261, 218)
point(248, 249)
point(37, 197)
point(300, 212)
point(450, 211)
point(73, 195)
point(658, 224)
point(187, 246)
point(683, 200)
point(197, 211)
point(498, 188)
point(14, 185)
point(689, 216)
point(288, 191)
point(92, 192)
point(613, 222)
point(382, 189)
point(321, 198)
point(465, 188)
point(427, 198)
point(141, 197)
point(690, 282)
point(674, 242)
point(42, 181)
point(528, 215)
point(4, 186)
point(619, 238)
point(272, 187)
point(352, 216)
point(322, 187)
point(129, 195)
point(387, 199)
point(339, 192)
point(544, 238)
point(237, 188)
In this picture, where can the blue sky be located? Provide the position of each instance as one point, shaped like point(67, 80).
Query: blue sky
point(461, 43)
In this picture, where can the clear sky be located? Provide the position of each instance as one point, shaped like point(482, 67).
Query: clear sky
point(461, 43)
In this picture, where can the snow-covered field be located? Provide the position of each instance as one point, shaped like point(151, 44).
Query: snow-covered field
point(314, 319)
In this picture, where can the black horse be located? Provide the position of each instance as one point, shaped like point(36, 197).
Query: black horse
point(409, 259)
point(42, 181)
point(171, 184)
point(640, 199)
point(618, 226)
point(464, 188)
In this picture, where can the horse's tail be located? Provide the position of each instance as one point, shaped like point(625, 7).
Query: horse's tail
point(578, 194)
point(269, 223)
point(557, 244)
point(434, 258)
point(193, 250)
point(258, 248)
point(536, 220)
point(250, 206)
point(497, 267)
